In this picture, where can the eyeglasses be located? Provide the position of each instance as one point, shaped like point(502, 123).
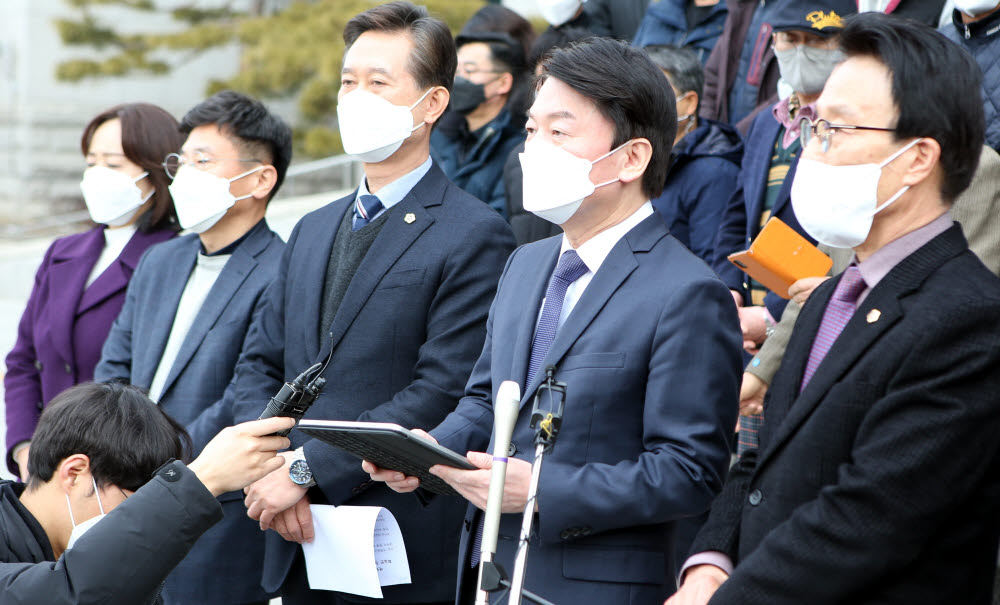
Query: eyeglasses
point(823, 129)
point(173, 162)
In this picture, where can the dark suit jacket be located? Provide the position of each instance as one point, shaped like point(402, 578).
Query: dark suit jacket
point(63, 326)
point(226, 564)
point(651, 358)
point(741, 222)
point(878, 483)
point(120, 561)
point(404, 339)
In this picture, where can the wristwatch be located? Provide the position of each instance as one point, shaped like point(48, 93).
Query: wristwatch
point(298, 470)
point(769, 325)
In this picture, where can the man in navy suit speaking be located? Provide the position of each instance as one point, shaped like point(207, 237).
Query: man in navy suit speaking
point(392, 284)
point(642, 332)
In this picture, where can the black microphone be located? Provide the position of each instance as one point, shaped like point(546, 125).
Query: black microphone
point(294, 398)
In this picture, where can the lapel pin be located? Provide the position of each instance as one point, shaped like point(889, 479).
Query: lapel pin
point(873, 316)
point(409, 218)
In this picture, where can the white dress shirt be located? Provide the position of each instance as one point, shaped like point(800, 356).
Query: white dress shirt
point(593, 252)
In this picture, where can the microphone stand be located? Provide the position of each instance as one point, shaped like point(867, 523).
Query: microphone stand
point(546, 421)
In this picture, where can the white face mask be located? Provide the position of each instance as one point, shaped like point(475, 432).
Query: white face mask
point(806, 69)
point(974, 8)
point(79, 530)
point(112, 197)
point(836, 204)
point(557, 12)
point(202, 198)
point(555, 181)
point(372, 128)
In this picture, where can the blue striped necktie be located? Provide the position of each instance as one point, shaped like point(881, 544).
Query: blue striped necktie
point(365, 209)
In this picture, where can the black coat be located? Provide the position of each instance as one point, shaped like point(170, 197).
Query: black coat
point(122, 560)
point(879, 482)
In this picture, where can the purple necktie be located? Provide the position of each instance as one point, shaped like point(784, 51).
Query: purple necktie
point(838, 312)
point(569, 269)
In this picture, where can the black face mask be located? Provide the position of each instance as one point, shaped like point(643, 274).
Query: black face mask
point(466, 95)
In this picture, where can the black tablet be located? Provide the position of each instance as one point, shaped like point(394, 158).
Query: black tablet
point(389, 446)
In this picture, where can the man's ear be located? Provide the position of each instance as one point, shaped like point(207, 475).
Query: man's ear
point(926, 160)
point(637, 156)
point(267, 179)
point(505, 83)
point(71, 471)
point(437, 102)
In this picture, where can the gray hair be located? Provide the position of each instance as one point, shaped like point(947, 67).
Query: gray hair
point(682, 66)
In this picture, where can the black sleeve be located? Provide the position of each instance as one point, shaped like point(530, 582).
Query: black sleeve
point(125, 557)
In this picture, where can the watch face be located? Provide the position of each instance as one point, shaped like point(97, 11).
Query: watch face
point(299, 472)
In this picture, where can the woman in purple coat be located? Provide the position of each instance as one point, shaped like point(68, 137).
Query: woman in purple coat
point(80, 287)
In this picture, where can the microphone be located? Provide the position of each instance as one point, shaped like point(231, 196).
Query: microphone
point(294, 398)
point(505, 408)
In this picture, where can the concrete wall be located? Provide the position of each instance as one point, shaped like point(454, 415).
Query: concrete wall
point(41, 118)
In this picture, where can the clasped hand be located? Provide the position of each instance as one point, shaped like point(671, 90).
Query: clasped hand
point(279, 504)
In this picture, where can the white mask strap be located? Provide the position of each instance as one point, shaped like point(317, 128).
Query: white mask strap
point(891, 200)
point(611, 152)
point(901, 151)
point(97, 493)
point(70, 507)
point(140, 177)
point(146, 199)
point(421, 99)
point(248, 172)
point(606, 155)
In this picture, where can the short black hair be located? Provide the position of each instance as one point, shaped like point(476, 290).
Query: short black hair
point(936, 87)
point(149, 134)
point(433, 61)
point(628, 90)
point(253, 129)
point(682, 65)
point(125, 435)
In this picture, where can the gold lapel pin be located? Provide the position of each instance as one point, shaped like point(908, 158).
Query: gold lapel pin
point(873, 316)
point(409, 218)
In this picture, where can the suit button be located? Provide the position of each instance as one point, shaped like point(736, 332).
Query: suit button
point(586, 531)
point(40, 405)
point(38, 365)
point(566, 534)
point(512, 449)
point(68, 368)
point(755, 497)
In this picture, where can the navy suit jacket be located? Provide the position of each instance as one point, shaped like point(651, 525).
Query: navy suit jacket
point(651, 358)
point(404, 341)
point(226, 563)
point(741, 222)
point(877, 483)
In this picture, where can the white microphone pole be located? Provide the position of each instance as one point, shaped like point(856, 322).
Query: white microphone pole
point(505, 408)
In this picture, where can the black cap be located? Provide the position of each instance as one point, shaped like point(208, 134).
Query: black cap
point(821, 17)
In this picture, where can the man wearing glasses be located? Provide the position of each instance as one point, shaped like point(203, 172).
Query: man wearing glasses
point(875, 479)
point(805, 43)
point(190, 304)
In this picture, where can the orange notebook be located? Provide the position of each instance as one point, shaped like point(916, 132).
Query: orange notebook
point(779, 257)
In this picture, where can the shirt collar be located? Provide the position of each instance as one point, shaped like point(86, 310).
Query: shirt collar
point(394, 192)
point(596, 249)
point(782, 112)
point(874, 268)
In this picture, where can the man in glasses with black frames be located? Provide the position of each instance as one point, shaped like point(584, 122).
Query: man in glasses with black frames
point(875, 479)
point(189, 307)
point(805, 43)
